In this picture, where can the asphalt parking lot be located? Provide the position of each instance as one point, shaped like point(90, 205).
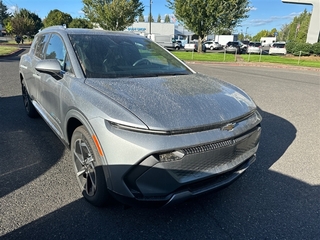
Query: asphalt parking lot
point(277, 198)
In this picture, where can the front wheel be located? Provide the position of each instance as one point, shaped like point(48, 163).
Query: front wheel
point(88, 168)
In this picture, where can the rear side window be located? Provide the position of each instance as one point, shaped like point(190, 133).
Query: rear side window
point(255, 44)
point(40, 44)
point(279, 45)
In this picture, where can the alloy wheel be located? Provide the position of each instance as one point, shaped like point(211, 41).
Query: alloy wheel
point(84, 166)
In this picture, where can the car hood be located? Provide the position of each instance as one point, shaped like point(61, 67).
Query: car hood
point(176, 102)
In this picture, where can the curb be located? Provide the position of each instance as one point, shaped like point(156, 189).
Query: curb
point(20, 50)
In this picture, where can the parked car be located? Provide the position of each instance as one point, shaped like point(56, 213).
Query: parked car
point(193, 46)
point(254, 47)
point(212, 45)
point(235, 47)
point(178, 45)
point(142, 126)
point(246, 43)
point(278, 48)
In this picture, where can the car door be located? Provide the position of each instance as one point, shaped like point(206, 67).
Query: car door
point(50, 92)
point(32, 76)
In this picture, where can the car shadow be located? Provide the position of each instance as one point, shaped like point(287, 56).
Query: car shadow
point(262, 204)
point(28, 146)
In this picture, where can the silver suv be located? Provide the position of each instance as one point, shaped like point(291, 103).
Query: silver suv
point(141, 125)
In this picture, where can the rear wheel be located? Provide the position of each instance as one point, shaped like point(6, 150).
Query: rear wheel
point(88, 168)
point(28, 106)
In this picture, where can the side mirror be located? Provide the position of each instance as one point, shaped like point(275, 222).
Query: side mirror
point(51, 67)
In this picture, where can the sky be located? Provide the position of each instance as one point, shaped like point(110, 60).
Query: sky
point(264, 14)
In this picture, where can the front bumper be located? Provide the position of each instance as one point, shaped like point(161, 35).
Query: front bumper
point(202, 169)
point(205, 186)
point(211, 159)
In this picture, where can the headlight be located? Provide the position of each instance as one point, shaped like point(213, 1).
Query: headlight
point(172, 156)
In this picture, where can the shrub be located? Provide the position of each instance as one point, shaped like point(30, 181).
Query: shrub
point(302, 53)
point(290, 46)
point(304, 47)
point(316, 48)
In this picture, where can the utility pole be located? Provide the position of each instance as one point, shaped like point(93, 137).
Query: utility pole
point(150, 19)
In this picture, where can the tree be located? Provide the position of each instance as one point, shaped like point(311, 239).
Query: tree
point(298, 29)
point(167, 19)
point(113, 15)
point(152, 20)
point(283, 33)
point(80, 23)
point(159, 18)
point(56, 17)
point(203, 16)
point(8, 26)
point(3, 13)
point(263, 33)
point(24, 22)
point(141, 18)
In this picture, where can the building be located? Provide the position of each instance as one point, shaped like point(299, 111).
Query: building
point(143, 28)
point(179, 31)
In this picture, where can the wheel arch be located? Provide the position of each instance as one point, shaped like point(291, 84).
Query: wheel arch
point(76, 119)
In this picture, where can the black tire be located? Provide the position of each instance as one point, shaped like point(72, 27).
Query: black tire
point(88, 168)
point(211, 48)
point(177, 48)
point(28, 105)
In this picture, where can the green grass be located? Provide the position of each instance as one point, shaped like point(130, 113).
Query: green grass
point(219, 57)
point(290, 60)
point(4, 50)
point(210, 57)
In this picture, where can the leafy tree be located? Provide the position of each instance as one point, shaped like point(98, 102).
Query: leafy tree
point(36, 20)
point(203, 16)
point(264, 33)
point(56, 17)
point(273, 32)
point(3, 13)
point(80, 23)
point(167, 19)
point(152, 20)
point(241, 36)
point(299, 27)
point(296, 31)
point(24, 22)
point(8, 26)
point(159, 18)
point(141, 18)
point(283, 33)
point(112, 14)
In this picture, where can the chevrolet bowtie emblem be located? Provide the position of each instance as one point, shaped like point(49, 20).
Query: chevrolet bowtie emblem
point(228, 127)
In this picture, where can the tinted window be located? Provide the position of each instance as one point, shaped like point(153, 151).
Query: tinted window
point(279, 45)
point(112, 56)
point(255, 44)
point(234, 44)
point(39, 46)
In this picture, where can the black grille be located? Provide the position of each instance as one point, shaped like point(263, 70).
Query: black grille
point(207, 147)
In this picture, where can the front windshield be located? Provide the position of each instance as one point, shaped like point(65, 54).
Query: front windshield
point(114, 56)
